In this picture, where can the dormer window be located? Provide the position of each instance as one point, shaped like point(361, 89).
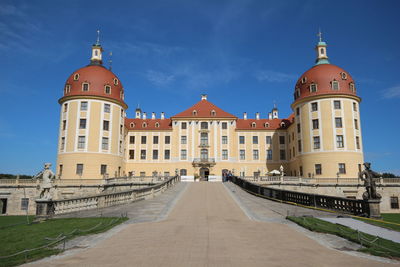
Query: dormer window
point(121, 95)
point(352, 87)
point(157, 125)
point(67, 88)
point(144, 125)
point(194, 112)
point(213, 113)
point(313, 87)
point(115, 81)
point(344, 75)
point(85, 87)
point(266, 125)
point(107, 89)
point(283, 125)
point(335, 85)
point(132, 125)
point(253, 125)
point(76, 76)
point(304, 80)
point(297, 94)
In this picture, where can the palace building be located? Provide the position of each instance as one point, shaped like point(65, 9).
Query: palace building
point(322, 137)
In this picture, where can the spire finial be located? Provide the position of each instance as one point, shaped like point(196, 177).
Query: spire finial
point(319, 34)
point(98, 37)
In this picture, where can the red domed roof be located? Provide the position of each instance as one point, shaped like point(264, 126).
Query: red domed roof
point(94, 80)
point(325, 77)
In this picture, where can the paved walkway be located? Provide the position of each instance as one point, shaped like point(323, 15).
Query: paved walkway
point(207, 228)
point(366, 228)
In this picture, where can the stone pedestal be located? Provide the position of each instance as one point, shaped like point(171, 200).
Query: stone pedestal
point(44, 208)
point(374, 208)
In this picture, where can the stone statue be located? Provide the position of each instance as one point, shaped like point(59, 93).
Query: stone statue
point(281, 169)
point(368, 176)
point(45, 185)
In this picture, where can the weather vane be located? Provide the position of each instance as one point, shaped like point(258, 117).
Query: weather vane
point(319, 35)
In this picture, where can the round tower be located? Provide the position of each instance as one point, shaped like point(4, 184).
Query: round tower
point(91, 137)
point(327, 127)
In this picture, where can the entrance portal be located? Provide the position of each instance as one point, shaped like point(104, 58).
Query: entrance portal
point(204, 172)
point(3, 205)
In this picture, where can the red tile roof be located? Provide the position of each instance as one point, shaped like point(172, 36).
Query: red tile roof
point(148, 124)
point(263, 124)
point(204, 109)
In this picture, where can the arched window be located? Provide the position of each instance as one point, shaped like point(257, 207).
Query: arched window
point(115, 81)
point(313, 87)
point(144, 125)
point(283, 125)
point(107, 89)
point(76, 76)
point(335, 85)
point(266, 125)
point(132, 125)
point(194, 112)
point(183, 172)
point(253, 125)
point(213, 113)
point(204, 154)
point(85, 87)
point(67, 88)
point(344, 75)
point(157, 125)
point(304, 80)
point(204, 125)
point(322, 51)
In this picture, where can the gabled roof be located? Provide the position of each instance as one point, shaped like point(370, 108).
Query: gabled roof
point(204, 109)
point(148, 124)
point(262, 124)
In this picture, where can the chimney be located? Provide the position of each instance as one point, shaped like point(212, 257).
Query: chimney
point(245, 115)
point(144, 115)
point(203, 97)
point(257, 115)
point(269, 115)
point(162, 115)
point(153, 115)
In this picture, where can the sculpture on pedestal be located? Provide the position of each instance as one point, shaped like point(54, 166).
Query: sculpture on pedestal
point(368, 176)
point(45, 185)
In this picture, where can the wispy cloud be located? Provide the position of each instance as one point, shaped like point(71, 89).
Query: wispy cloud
point(159, 78)
point(274, 76)
point(392, 92)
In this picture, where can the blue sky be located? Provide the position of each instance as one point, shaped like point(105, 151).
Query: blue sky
point(245, 55)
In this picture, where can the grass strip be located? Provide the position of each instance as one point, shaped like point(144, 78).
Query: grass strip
point(29, 236)
point(386, 222)
point(371, 244)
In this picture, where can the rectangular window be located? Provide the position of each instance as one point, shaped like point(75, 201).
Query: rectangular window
point(297, 111)
point(143, 154)
point(299, 145)
point(183, 125)
point(183, 140)
point(316, 142)
point(354, 106)
point(255, 140)
point(107, 108)
point(338, 122)
point(315, 124)
point(282, 154)
point(24, 203)
point(104, 143)
point(314, 106)
point(358, 142)
point(282, 140)
point(204, 125)
point(313, 87)
point(155, 140)
point(64, 125)
point(131, 139)
point(241, 139)
point(339, 141)
point(85, 87)
point(268, 140)
point(298, 128)
point(103, 169)
point(79, 168)
point(106, 125)
point(356, 124)
point(62, 145)
point(342, 168)
point(65, 107)
point(167, 140)
point(84, 105)
point(81, 142)
point(255, 154)
point(143, 139)
point(301, 170)
point(335, 85)
point(224, 125)
point(131, 154)
point(224, 154)
point(224, 140)
point(60, 170)
point(183, 154)
point(82, 124)
point(204, 139)
point(394, 202)
point(167, 154)
point(318, 169)
point(155, 154)
point(242, 154)
point(269, 154)
point(337, 104)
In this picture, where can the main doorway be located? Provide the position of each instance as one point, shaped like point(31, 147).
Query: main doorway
point(204, 173)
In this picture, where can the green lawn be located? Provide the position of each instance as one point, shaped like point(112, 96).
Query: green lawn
point(8, 221)
point(378, 247)
point(20, 237)
point(386, 217)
